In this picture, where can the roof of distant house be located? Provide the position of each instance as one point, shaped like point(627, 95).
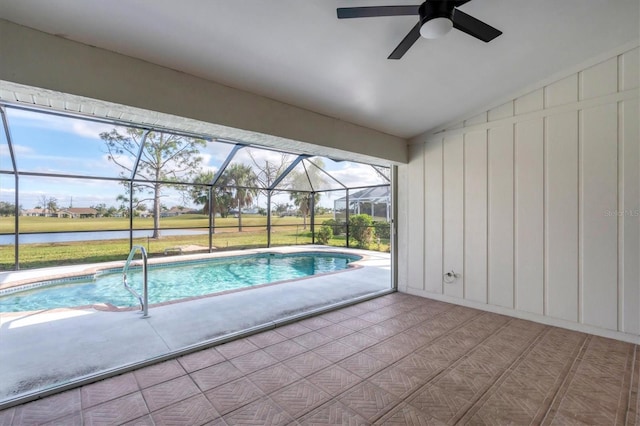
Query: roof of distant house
point(80, 210)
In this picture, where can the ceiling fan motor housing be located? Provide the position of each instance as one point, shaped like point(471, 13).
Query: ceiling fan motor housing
point(431, 9)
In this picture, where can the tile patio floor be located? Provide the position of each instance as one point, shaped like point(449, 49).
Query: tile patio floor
point(394, 360)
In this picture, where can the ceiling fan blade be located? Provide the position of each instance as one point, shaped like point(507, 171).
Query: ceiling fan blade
point(372, 11)
point(459, 3)
point(474, 27)
point(406, 43)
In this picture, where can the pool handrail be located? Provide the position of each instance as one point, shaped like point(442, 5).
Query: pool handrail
point(144, 299)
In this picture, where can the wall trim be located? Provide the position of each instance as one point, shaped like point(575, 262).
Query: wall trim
point(555, 322)
point(543, 113)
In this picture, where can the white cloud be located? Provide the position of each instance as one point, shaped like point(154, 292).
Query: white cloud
point(212, 169)
point(75, 126)
point(89, 129)
point(17, 149)
point(7, 195)
point(355, 174)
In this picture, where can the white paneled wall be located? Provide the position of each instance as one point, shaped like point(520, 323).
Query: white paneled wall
point(536, 203)
point(529, 216)
point(415, 209)
point(433, 218)
point(475, 216)
point(500, 202)
point(453, 161)
point(561, 215)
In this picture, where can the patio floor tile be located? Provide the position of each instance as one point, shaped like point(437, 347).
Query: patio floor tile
point(167, 393)
point(105, 390)
point(233, 395)
point(394, 360)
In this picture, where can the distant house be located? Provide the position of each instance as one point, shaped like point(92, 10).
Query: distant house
point(78, 212)
point(33, 212)
point(376, 202)
point(175, 211)
point(245, 210)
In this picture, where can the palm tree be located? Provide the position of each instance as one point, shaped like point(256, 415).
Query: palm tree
point(242, 182)
point(199, 193)
point(302, 201)
point(304, 179)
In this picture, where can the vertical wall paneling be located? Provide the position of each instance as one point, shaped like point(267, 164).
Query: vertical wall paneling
point(530, 102)
point(454, 213)
point(415, 216)
point(401, 220)
point(629, 69)
point(503, 111)
point(561, 92)
point(433, 213)
point(476, 119)
point(530, 216)
point(600, 80)
point(599, 190)
point(501, 215)
point(629, 221)
point(475, 216)
point(561, 215)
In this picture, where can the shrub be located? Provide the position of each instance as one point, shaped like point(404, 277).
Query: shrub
point(325, 234)
point(336, 227)
point(361, 230)
point(383, 229)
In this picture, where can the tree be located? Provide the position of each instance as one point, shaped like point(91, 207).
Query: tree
point(282, 208)
point(7, 209)
point(140, 208)
point(241, 181)
point(268, 171)
point(302, 199)
point(312, 178)
point(49, 204)
point(111, 212)
point(165, 158)
point(101, 209)
point(199, 194)
point(124, 204)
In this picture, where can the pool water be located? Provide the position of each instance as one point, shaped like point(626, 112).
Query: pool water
point(176, 281)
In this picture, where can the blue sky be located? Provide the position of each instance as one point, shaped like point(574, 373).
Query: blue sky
point(63, 145)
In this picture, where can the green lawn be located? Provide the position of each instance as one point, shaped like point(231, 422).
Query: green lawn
point(286, 231)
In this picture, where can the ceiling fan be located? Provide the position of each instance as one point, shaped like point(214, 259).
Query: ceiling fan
point(437, 17)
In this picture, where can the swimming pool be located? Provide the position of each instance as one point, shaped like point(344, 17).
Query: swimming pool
point(176, 280)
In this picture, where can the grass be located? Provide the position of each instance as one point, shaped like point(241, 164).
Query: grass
point(289, 231)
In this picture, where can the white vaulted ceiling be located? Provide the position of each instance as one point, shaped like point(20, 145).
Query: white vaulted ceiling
point(298, 52)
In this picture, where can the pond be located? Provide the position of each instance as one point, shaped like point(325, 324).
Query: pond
point(59, 237)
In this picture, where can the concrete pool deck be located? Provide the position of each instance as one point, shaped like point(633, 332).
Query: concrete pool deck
point(41, 349)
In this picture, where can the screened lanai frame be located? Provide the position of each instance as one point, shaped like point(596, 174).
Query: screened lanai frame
point(310, 165)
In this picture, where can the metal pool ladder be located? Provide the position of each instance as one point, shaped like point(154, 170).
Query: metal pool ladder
point(144, 299)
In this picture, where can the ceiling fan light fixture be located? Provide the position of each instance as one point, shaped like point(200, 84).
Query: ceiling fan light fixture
point(436, 27)
point(436, 18)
